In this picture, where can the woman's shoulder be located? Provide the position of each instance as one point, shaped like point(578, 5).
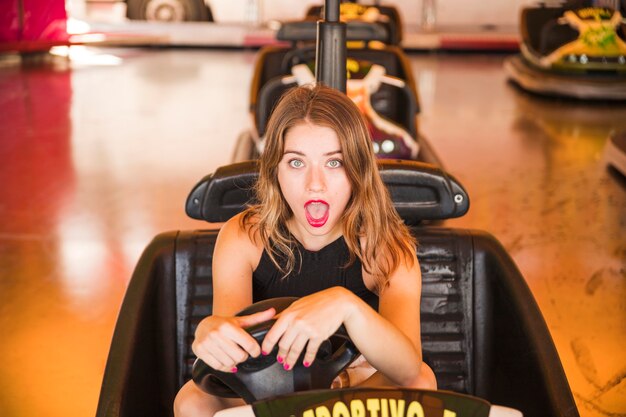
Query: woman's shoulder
point(235, 257)
point(241, 231)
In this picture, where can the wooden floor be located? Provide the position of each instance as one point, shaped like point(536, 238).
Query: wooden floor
point(98, 153)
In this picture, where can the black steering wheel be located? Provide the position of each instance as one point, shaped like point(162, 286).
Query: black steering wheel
point(263, 377)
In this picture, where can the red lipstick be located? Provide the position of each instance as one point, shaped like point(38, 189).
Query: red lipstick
point(316, 212)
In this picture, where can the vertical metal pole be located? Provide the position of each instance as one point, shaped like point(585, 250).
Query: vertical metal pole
point(330, 58)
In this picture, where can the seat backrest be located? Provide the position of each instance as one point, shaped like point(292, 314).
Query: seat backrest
point(419, 191)
point(554, 35)
point(447, 312)
point(532, 21)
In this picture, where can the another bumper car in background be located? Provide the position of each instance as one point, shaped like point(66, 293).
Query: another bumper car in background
point(575, 50)
point(385, 15)
point(379, 77)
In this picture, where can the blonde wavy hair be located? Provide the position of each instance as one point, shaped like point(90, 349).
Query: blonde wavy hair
point(369, 213)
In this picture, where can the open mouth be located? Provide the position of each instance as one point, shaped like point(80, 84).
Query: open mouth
point(316, 212)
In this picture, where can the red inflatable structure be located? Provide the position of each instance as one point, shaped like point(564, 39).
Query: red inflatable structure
point(32, 25)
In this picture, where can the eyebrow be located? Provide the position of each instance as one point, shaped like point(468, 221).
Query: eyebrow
point(303, 154)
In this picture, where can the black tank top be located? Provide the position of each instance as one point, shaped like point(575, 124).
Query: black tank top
point(319, 270)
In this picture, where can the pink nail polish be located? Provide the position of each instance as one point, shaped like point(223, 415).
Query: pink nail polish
point(306, 364)
point(264, 353)
point(286, 367)
point(279, 359)
point(234, 369)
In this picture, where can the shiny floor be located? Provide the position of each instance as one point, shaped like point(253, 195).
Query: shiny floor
point(98, 152)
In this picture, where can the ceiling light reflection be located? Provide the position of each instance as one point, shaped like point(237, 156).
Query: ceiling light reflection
point(83, 260)
point(82, 55)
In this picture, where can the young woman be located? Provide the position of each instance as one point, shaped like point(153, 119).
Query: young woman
point(324, 230)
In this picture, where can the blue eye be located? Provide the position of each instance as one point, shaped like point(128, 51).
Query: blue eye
point(335, 163)
point(295, 163)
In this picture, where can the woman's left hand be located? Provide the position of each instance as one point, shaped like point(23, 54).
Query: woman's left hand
point(306, 324)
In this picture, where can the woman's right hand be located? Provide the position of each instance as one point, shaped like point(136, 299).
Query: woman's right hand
point(222, 342)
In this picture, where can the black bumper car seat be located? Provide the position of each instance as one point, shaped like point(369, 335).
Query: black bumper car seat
point(482, 331)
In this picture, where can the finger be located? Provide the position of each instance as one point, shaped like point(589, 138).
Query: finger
point(216, 364)
point(285, 344)
point(233, 351)
point(201, 348)
point(274, 334)
point(226, 362)
point(222, 347)
point(243, 339)
point(256, 318)
point(295, 350)
point(213, 358)
point(311, 352)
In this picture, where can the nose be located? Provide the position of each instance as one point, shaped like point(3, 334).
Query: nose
point(315, 180)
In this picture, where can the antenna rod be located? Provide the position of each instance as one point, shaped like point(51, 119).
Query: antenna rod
point(330, 59)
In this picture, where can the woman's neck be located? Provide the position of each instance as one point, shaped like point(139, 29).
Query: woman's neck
point(310, 241)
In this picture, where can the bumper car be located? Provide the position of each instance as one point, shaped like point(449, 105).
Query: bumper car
point(385, 15)
point(390, 140)
point(482, 331)
point(575, 50)
point(379, 77)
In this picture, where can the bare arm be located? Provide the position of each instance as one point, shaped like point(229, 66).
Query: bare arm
point(234, 259)
point(220, 340)
point(392, 344)
point(390, 339)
